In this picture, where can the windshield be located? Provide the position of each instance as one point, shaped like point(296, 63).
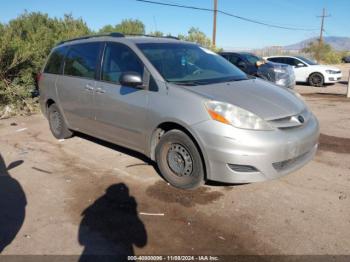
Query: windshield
point(182, 63)
point(308, 61)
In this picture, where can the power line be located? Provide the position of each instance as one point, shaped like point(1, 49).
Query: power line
point(227, 14)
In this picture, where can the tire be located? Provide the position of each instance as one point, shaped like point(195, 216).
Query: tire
point(57, 124)
point(179, 160)
point(316, 79)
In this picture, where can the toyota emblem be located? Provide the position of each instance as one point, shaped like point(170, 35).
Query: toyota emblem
point(301, 119)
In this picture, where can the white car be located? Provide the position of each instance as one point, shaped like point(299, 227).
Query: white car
point(308, 71)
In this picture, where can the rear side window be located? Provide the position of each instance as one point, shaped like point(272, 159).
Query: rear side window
point(118, 59)
point(81, 60)
point(53, 65)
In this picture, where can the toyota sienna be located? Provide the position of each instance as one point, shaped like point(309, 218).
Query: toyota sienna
point(190, 110)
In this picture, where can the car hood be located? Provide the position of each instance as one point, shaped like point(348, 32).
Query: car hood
point(257, 96)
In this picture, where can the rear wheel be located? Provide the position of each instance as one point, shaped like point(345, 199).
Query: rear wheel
point(179, 160)
point(316, 79)
point(57, 124)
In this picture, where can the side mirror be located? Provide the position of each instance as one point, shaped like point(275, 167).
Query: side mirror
point(132, 79)
point(300, 65)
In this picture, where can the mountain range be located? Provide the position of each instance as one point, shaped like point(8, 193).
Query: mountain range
point(337, 42)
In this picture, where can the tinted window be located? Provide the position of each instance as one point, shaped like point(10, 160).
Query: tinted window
point(276, 60)
point(292, 61)
point(188, 63)
point(252, 59)
point(118, 59)
point(234, 59)
point(54, 63)
point(308, 61)
point(81, 60)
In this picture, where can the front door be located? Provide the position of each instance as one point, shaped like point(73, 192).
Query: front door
point(120, 111)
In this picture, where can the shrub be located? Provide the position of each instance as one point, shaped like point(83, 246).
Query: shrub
point(323, 53)
point(24, 45)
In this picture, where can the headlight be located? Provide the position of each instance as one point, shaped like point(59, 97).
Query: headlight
point(331, 72)
point(281, 82)
point(235, 116)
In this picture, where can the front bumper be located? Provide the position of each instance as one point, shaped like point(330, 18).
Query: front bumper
point(267, 154)
point(332, 78)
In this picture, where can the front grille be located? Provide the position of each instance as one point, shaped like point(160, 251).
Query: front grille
point(283, 165)
point(291, 121)
point(242, 168)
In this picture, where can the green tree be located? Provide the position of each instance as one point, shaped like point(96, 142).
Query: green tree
point(24, 45)
point(157, 33)
point(127, 26)
point(199, 37)
point(107, 29)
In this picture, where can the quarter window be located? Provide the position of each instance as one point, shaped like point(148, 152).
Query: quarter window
point(119, 59)
point(81, 60)
point(53, 65)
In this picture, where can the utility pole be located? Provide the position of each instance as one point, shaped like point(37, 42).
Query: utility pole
point(214, 22)
point(320, 40)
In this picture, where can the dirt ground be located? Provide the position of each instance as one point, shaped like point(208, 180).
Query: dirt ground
point(83, 196)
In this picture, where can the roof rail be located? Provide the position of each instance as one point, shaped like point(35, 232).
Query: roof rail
point(167, 36)
point(114, 34)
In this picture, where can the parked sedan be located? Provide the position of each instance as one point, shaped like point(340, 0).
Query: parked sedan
point(277, 73)
point(308, 71)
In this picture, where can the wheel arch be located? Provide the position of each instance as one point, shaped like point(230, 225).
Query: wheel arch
point(49, 102)
point(164, 127)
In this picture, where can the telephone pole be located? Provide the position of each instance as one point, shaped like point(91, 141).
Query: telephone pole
point(320, 40)
point(214, 22)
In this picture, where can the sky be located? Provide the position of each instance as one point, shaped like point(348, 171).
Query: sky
point(231, 32)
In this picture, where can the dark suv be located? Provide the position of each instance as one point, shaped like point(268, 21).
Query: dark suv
point(280, 74)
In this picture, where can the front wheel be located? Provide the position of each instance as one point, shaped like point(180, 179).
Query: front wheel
point(179, 160)
point(316, 79)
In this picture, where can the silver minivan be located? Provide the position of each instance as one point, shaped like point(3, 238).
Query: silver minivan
point(190, 110)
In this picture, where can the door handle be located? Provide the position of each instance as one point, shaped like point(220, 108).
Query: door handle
point(100, 90)
point(88, 87)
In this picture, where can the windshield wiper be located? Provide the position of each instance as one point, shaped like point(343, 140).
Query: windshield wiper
point(188, 83)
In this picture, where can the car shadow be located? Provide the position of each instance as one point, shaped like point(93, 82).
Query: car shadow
point(122, 150)
point(116, 147)
point(12, 204)
point(110, 227)
point(142, 157)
